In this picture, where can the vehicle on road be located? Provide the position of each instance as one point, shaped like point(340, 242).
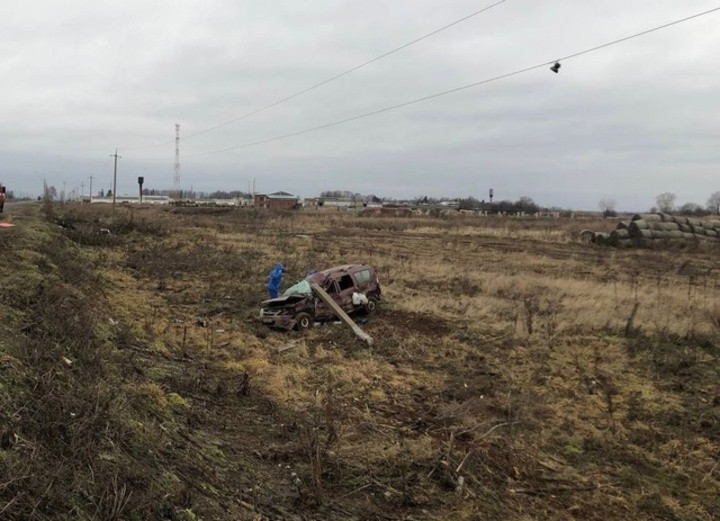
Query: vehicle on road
point(354, 287)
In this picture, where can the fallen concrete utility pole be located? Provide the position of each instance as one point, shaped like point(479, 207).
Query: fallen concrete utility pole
point(340, 313)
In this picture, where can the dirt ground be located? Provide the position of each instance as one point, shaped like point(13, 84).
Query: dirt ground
point(515, 373)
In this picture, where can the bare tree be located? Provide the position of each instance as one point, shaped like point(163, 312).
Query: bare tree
point(713, 203)
point(666, 202)
point(607, 207)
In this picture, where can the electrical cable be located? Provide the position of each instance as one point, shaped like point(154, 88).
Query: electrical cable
point(331, 79)
point(457, 89)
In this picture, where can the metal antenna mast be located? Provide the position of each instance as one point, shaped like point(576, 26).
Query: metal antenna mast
point(176, 178)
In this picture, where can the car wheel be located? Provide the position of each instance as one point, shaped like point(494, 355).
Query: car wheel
point(371, 305)
point(303, 321)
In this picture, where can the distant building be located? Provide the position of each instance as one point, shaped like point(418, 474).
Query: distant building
point(276, 201)
point(131, 199)
point(233, 201)
point(338, 202)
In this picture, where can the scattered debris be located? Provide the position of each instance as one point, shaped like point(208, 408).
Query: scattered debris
point(286, 347)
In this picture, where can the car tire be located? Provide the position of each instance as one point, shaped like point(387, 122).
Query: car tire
point(371, 306)
point(303, 321)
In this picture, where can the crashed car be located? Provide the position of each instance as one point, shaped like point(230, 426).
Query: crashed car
point(354, 287)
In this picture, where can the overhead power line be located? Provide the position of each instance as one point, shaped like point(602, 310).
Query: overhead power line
point(457, 89)
point(333, 78)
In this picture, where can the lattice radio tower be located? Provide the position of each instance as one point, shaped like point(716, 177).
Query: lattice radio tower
point(176, 177)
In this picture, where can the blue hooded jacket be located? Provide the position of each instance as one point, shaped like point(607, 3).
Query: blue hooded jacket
point(275, 280)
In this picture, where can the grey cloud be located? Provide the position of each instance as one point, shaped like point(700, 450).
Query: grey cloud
point(628, 122)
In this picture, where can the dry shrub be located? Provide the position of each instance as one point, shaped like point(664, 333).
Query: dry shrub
point(74, 443)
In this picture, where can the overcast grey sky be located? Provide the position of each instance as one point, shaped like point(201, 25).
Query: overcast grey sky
point(627, 122)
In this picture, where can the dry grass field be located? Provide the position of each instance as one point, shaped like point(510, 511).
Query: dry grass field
point(515, 373)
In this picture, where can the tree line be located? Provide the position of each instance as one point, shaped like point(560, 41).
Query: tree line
point(667, 203)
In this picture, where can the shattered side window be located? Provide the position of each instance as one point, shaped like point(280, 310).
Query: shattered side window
point(345, 282)
point(363, 277)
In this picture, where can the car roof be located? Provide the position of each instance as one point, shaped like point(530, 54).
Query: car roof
point(345, 268)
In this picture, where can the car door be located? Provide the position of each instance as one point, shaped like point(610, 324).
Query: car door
point(321, 309)
point(346, 288)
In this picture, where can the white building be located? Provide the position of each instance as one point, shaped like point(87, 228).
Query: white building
point(132, 199)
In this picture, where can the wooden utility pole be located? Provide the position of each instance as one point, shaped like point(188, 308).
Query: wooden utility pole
point(116, 156)
point(91, 178)
point(322, 295)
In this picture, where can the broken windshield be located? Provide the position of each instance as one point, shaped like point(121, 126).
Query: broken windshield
point(301, 288)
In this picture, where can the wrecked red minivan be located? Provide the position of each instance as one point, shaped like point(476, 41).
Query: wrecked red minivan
point(355, 287)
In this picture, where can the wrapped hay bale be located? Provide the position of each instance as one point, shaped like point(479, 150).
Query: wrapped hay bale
point(625, 243)
point(711, 233)
point(612, 239)
point(681, 219)
point(674, 234)
point(664, 226)
point(685, 228)
point(643, 233)
point(623, 225)
point(666, 217)
point(617, 236)
point(693, 221)
point(697, 229)
point(622, 233)
point(688, 236)
point(647, 217)
point(636, 226)
point(586, 236)
point(715, 225)
point(602, 238)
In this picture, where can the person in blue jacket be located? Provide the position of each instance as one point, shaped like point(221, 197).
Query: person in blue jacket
point(275, 280)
